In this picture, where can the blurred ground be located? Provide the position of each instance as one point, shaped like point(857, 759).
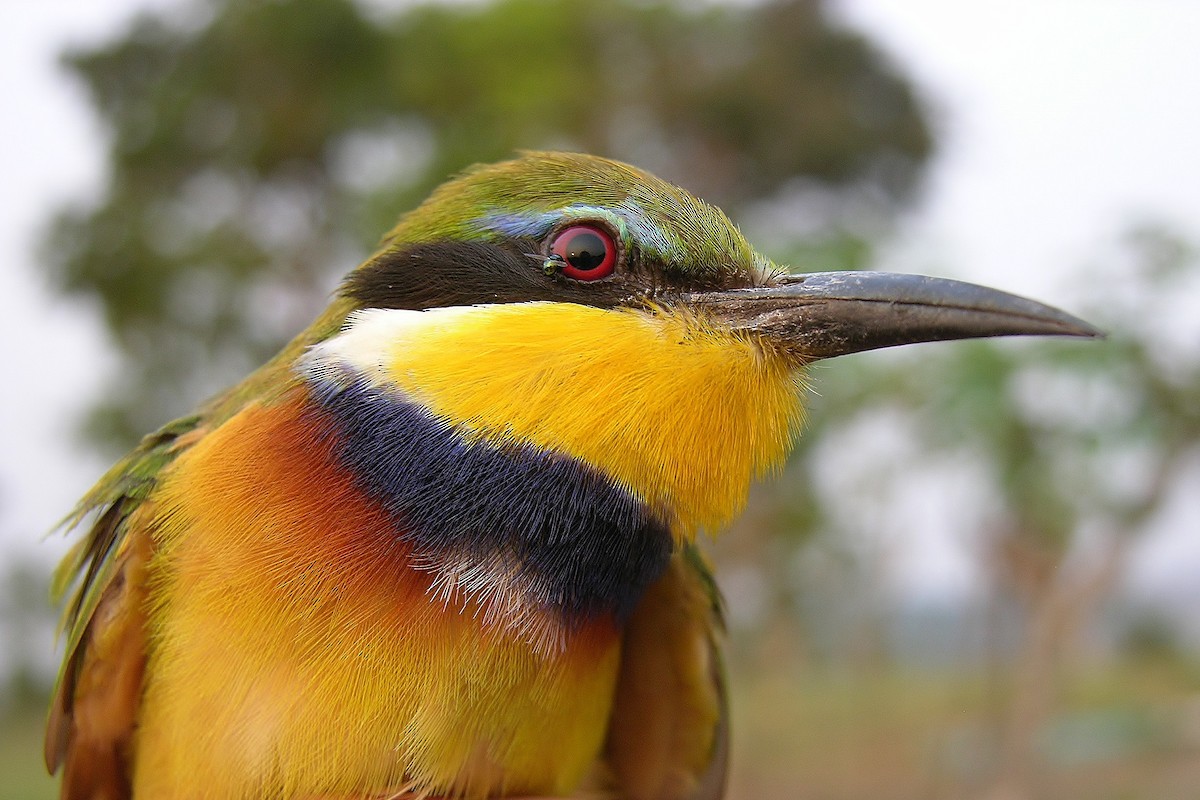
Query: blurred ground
point(1130, 731)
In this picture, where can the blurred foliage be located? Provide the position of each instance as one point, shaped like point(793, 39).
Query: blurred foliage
point(257, 152)
point(27, 627)
point(27, 624)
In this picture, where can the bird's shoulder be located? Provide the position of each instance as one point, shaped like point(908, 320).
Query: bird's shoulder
point(668, 733)
point(102, 581)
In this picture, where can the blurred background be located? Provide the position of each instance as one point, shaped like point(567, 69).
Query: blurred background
point(978, 576)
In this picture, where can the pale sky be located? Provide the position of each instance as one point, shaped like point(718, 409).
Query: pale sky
point(1062, 122)
point(1059, 122)
point(1062, 119)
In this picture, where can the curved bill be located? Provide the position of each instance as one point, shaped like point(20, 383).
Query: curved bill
point(826, 314)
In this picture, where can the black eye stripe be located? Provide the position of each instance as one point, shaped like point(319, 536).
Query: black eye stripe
point(449, 273)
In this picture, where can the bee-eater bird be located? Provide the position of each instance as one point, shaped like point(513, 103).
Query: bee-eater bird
point(442, 545)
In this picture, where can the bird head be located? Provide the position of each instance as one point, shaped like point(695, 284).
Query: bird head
point(582, 307)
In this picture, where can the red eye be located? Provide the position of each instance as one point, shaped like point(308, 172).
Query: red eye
point(587, 252)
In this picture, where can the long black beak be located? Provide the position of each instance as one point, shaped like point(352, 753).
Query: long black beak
point(826, 314)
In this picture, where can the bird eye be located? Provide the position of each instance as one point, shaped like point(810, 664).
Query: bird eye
point(587, 252)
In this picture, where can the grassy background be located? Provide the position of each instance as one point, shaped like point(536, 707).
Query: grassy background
point(22, 775)
point(1128, 731)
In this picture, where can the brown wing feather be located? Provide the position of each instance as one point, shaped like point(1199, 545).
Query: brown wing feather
point(667, 738)
point(93, 714)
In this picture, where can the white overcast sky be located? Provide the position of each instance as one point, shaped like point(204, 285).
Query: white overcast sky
point(1059, 122)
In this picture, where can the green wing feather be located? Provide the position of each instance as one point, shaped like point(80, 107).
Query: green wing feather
point(88, 565)
point(87, 570)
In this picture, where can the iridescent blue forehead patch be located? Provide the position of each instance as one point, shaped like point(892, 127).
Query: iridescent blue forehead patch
point(629, 218)
point(517, 223)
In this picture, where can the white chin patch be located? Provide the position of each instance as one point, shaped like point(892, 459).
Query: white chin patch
point(361, 348)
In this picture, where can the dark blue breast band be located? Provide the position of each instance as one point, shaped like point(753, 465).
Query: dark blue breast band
point(582, 545)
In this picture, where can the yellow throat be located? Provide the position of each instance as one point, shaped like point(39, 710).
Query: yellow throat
point(679, 412)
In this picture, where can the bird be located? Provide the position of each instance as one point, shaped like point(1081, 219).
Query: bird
point(444, 544)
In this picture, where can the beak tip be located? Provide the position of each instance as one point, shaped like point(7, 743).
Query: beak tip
point(1072, 326)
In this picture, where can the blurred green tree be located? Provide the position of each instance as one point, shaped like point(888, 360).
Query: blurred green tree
point(257, 151)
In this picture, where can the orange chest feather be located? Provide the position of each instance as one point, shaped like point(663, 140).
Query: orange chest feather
point(298, 646)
